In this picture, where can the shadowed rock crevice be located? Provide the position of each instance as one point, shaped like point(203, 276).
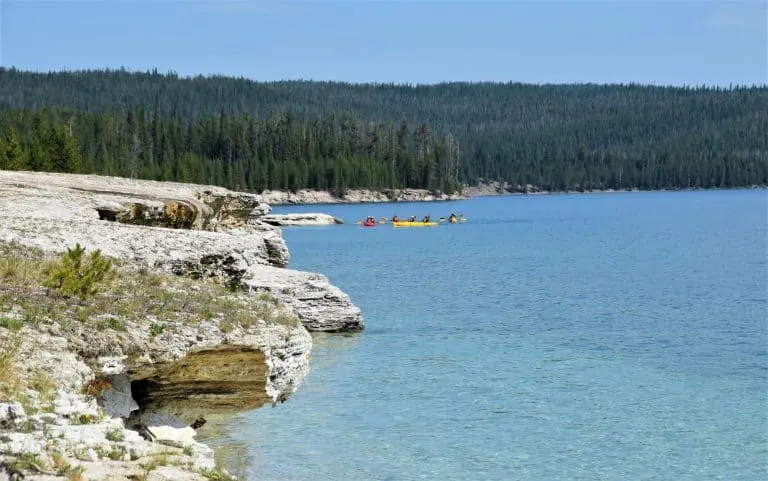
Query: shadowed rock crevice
point(107, 214)
point(173, 214)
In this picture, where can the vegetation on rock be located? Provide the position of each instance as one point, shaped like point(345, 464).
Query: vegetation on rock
point(96, 325)
point(73, 275)
point(128, 295)
point(38, 325)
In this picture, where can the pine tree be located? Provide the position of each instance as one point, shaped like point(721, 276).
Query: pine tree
point(14, 156)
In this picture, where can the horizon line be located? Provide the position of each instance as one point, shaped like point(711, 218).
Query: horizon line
point(174, 73)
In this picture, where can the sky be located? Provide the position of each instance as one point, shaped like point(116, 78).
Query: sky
point(671, 42)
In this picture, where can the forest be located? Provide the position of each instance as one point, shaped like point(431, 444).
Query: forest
point(297, 134)
point(237, 152)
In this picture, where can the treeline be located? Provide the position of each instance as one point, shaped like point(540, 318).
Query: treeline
point(556, 137)
point(239, 152)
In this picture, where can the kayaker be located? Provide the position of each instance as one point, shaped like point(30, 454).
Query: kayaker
point(426, 219)
point(395, 218)
point(453, 219)
point(412, 219)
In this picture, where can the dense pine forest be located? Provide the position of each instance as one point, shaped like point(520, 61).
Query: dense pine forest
point(329, 135)
point(237, 152)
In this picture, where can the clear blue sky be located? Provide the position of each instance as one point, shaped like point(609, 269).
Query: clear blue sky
point(671, 42)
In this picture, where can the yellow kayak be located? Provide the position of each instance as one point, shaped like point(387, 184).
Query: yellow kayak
point(407, 223)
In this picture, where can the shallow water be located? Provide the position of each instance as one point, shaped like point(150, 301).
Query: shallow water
point(595, 336)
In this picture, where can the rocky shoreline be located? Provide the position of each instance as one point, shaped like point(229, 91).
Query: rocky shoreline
point(200, 316)
point(493, 188)
point(355, 196)
point(482, 189)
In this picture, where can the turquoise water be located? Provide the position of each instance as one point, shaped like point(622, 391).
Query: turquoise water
point(594, 336)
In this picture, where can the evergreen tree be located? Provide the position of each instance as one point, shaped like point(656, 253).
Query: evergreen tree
point(14, 156)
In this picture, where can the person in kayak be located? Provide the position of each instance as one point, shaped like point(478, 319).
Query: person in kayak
point(412, 219)
point(395, 218)
point(452, 219)
point(426, 219)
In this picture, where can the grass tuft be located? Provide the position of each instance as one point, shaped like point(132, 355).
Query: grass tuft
point(118, 297)
point(11, 384)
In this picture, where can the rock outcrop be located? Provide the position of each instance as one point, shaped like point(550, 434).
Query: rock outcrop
point(224, 243)
point(485, 188)
point(300, 219)
point(355, 196)
point(79, 382)
point(203, 317)
point(149, 203)
point(320, 305)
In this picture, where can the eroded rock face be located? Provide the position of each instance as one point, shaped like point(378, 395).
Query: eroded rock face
point(84, 437)
point(163, 383)
point(193, 224)
point(139, 202)
point(221, 378)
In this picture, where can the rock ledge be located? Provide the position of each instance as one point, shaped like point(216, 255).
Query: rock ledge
point(202, 317)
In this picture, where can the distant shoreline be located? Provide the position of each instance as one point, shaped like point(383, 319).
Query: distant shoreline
point(355, 196)
point(614, 191)
point(367, 196)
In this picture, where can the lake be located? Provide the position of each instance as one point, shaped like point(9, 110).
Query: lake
point(586, 336)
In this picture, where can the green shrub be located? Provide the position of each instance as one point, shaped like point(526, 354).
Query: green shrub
point(115, 435)
point(156, 329)
point(78, 276)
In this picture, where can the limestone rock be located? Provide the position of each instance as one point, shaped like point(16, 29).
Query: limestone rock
point(276, 197)
point(51, 213)
point(320, 305)
point(277, 251)
point(171, 436)
point(117, 399)
point(10, 413)
point(172, 473)
point(300, 219)
point(184, 371)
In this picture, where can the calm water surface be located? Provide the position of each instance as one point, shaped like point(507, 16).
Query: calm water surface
point(605, 336)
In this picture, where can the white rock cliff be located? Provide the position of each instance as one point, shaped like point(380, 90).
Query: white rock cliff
point(111, 385)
